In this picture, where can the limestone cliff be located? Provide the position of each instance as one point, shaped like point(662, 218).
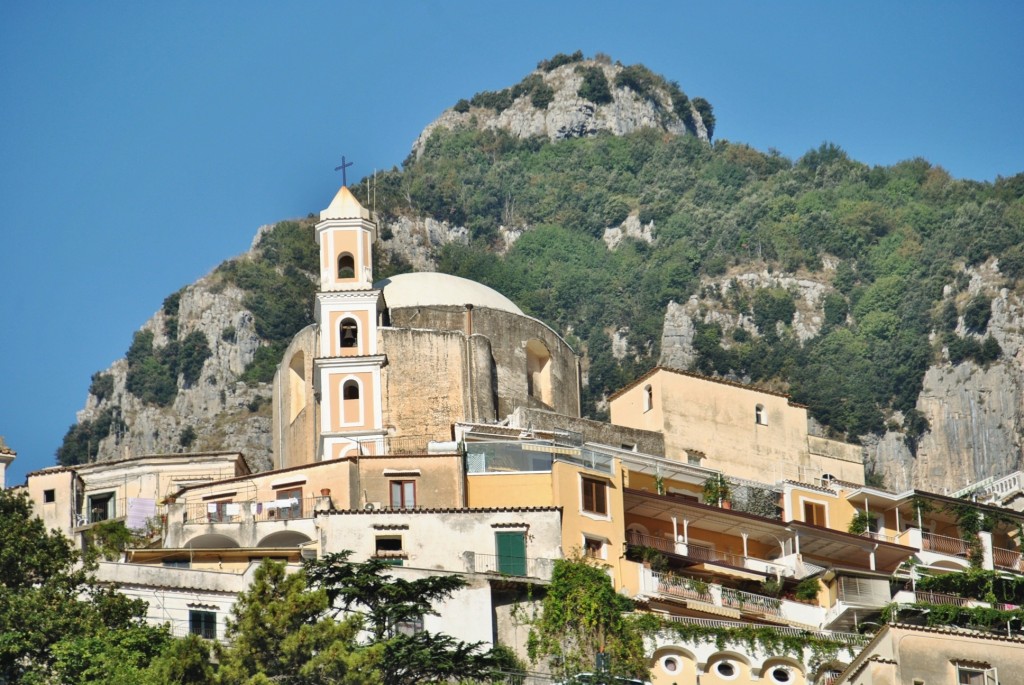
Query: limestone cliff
point(217, 411)
point(974, 413)
point(565, 113)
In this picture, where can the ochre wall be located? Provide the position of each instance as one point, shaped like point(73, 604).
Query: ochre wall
point(438, 484)
point(509, 490)
point(718, 419)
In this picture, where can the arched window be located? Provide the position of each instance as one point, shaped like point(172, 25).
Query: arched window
point(760, 415)
point(350, 390)
point(349, 333)
point(346, 266)
point(538, 371)
point(296, 385)
point(648, 398)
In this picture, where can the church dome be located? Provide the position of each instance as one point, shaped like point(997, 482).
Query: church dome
point(428, 288)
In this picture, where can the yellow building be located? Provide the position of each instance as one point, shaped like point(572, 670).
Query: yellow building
point(743, 431)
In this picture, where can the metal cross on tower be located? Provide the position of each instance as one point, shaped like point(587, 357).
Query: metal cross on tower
point(344, 165)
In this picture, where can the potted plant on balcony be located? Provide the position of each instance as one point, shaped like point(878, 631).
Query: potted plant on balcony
point(859, 524)
point(807, 590)
point(717, 492)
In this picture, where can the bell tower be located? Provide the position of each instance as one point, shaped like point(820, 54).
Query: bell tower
point(347, 368)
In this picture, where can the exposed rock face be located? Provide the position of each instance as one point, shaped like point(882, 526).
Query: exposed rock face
point(630, 228)
point(224, 414)
point(715, 304)
point(975, 414)
point(417, 241)
point(570, 116)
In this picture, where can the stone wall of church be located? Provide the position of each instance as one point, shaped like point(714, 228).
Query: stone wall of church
point(509, 335)
point(423, 383)
point(296, 416)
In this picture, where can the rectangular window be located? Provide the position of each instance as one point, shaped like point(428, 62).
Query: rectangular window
point(289, 503)
point(967, 675)
point(389, 548)
point(409, 627)
point(814, 513)
point(217, 512)
point(403, 494)
point(49, 496)
point(101, 507)
point(595, 496)
point(593, 547)
point(203, 624)
point(176, 563)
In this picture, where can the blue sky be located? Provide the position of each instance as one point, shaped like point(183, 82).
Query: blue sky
point(144, 143)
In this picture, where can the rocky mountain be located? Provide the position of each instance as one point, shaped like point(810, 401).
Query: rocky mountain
point(888, 299)
point(570, 97)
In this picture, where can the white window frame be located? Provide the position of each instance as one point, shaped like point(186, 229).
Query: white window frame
point(603, 556)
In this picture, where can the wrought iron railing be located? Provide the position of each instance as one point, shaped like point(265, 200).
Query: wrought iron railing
point(526, 567)
point(687, 588)
point(1007, 559)
point(251, 510)
point(749, 602)
point(944, 544)
point(848, 638)
point(939, 598)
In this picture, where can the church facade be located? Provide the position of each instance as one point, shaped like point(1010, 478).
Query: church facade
point(390, 366)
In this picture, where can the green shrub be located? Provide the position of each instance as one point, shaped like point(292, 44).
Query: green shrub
point(462, 106)
point(542, 96)
point(807, 589)
point(81, 443)
point(192, 354)
point(188, 437)
point(595, 85)
point(102, 386)
point(836, 309)
point(773, 305)
point(977, 314)
point(707, 115)
point(640, 80)
point(558, 60)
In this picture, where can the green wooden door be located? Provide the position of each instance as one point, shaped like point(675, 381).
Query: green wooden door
point(511, 553)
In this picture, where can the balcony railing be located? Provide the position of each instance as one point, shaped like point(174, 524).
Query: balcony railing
point(640, 540)
point(749, 602)
point(525, 567)
point(1007, 559)
point(236, 512)
point(940, 598)
point(702, 553)
point(685, 588)
point(847, 638)
point(944, 544)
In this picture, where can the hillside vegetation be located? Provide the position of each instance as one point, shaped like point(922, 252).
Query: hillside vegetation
point(889, 247)
point(887, 239)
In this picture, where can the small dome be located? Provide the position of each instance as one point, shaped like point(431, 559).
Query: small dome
point(430, 288)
